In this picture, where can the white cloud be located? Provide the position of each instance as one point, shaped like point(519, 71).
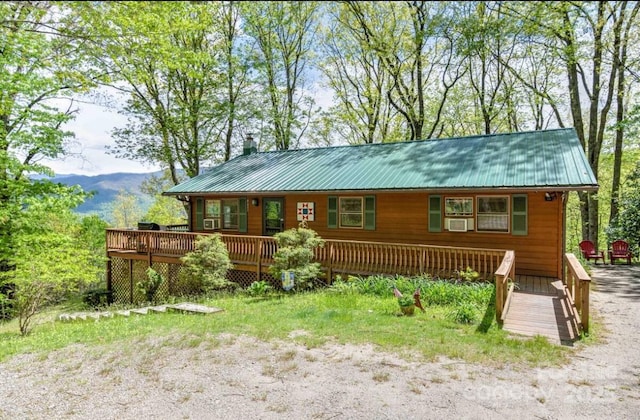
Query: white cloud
point(92, 127)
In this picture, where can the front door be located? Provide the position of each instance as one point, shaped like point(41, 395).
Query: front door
point(272, 215)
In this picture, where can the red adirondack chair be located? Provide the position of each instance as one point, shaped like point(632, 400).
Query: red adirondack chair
point(620, 251)
point(589, 251)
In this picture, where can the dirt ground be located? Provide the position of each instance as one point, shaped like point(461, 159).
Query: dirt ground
point(242, 378)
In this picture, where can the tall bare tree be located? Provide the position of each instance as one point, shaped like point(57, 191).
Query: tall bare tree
point(285, 34)
point(582, 35)
point(416, 45)
point(359, 81)
point(624, 34)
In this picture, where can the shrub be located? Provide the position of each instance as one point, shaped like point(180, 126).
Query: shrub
point(464, 313)
point(97, 297)
point(406, 300)
point(208, 264)
point(150, 286)
point(259, 288)
point(468, 275)
point(295, 253)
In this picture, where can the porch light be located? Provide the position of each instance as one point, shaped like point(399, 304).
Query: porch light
point(255, 202)
point(550, 196)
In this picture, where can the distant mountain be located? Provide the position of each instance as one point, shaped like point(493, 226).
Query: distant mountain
point(106, 187)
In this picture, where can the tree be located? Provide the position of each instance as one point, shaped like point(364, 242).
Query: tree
point(41, 64)
point(626, 226)
point(359, 81)
point(415, 42)
point(235, 63)
point(488, 49)
point(586, 38)
point(50, 259)
point(623, 37)
point(164, 210)
point(284, 33)
point(163, 57)
point(126, 211)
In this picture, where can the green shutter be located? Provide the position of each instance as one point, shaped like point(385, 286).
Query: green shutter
point(519, 215)
point(370, 212)
point(199, 214)
point(435, 213)
point(332, 215)
point(242, 214)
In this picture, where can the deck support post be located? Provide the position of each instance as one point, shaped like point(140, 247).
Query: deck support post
point(259, 260)
point(130, 281)
point(330, 265)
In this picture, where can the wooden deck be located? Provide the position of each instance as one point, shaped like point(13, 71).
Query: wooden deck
point(539, 306)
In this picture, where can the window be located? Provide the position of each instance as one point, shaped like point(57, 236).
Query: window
point(223, 213)
point(435, 216)
point(493, 214)
point(351, 214)
point(230, 214)
point(458, 206)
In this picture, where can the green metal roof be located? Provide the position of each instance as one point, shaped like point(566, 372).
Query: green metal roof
point(528, 160)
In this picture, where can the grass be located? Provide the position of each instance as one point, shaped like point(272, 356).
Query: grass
point(325, 316)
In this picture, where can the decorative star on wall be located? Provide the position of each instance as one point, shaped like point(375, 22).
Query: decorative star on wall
point(305, 211)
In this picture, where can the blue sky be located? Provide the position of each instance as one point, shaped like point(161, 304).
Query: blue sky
point(92, 127)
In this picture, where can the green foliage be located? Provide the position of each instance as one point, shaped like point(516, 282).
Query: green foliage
point(295, 253)
point(126, 212)
point(166, 211)
point(627, 224)
point(150, 286)
point(468, 275)
point(259, 288)
point(208, 264)
point(432, 292)
point(97, 297)
point(326, 318)
point(464, 313)
point(406, 300)
point(51, 257)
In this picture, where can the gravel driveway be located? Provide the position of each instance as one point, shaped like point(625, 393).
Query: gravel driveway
point(228, 377)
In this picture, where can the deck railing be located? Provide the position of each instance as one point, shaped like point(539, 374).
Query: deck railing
point(506, 272)
point(336, 257)
point(578, 283)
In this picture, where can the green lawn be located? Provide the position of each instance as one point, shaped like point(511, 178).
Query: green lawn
point(314, 318)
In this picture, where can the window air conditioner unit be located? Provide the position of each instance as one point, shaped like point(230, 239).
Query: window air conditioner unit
point(457, 225)
point(211, 224)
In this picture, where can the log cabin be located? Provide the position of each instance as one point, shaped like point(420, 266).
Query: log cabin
point(493, 203)
point(496, 192)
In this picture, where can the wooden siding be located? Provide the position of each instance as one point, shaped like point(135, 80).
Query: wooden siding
point(402, 217)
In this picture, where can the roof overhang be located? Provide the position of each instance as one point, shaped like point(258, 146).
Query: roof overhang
point(581, 188)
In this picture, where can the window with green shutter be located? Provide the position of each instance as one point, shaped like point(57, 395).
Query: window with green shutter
point(242, 214)
point(435, 213)
point(519, 225)
point(370, 212)
point(332, 213)
point(199, 214)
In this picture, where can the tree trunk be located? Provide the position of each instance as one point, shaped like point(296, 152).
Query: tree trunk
point(620, 62)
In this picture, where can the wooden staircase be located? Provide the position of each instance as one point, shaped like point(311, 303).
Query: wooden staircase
point(184, 307)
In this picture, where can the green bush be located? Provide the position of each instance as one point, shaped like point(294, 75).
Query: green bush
point(259, 288)
point(432, 292)
point(295, 253)
point(464, 313)
point(97, 297)
point(150, 286)
point(206, 267)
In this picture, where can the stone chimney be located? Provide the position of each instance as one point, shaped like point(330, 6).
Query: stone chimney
point(249, 145)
